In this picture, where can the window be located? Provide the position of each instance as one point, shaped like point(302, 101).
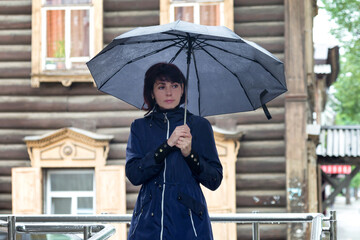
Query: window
point(64, 39)
point(211, 12)
point(205, 13)
point(70, 192)
point(67, 39)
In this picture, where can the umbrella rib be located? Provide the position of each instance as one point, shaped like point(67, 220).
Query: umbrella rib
point(130, 43)
point(148, 41)
point(230, 72)
point(224, 50)
point(136, 59)
point(178, 52)
point(199, 43)
point(198, 80)
point(238, 55)
point(224, 40)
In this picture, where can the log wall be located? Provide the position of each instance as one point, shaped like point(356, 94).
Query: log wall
point(261, 177)
point(25, 111)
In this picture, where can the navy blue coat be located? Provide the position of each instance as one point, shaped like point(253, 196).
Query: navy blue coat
point(170, 203)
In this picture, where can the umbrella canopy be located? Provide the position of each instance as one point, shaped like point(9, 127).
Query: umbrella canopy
point(225, 73)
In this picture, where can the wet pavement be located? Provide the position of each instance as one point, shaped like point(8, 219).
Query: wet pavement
point(348, 218)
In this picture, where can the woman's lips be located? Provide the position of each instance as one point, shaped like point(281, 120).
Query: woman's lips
point(169, 101)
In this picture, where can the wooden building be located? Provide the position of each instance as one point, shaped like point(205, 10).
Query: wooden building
point(45, 87)
point(339, 148)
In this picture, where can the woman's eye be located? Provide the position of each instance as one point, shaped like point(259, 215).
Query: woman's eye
point(161, 87)
point(175, 85)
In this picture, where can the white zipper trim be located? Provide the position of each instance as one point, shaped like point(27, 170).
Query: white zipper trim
point(163, 191)
point(192, 222)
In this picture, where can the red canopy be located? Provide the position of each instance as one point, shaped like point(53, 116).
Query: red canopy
point(336, 169)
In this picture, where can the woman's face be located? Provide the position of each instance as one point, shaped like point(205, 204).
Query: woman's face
point(167, 94)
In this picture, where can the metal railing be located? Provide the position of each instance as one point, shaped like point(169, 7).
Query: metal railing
point(66, 223)
point(316, 219)
point(39, 225)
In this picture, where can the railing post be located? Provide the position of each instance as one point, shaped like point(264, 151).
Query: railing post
point(333, 231)
point(11, 227)
point(255, 229)
point(86, 232)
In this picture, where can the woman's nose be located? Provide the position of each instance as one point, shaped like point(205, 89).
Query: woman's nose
point(168, 91)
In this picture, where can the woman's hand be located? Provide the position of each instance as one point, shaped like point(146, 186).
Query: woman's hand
point(181, 138)
point(184, 143)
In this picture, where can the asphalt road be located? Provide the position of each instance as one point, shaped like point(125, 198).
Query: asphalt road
point(348, 219)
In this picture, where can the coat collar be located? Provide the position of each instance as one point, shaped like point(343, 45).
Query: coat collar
point(176, 114)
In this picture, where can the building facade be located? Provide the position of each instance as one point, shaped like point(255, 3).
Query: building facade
point(45, 87)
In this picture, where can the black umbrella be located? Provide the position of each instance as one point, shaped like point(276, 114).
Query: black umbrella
point(225, 73)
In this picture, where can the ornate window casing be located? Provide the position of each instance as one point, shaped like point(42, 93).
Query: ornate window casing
point(211, 12)
point(65, 35)
point(68, 174)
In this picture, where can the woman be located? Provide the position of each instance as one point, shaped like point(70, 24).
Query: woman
point(170, 160)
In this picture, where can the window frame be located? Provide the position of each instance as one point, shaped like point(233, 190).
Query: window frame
point(74, 195)
point(196, 9)
point(38, 48)
point(227, 10)
point(67, 10)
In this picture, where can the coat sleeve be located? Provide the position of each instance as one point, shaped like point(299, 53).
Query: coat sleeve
point(140, 166)
point(210, 174)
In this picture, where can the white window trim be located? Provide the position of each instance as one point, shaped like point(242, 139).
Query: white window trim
point(196, 6)
point(65, 194)
point(67, 9)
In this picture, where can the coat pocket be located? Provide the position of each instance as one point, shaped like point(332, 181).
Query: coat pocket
point(136, 223)
point(191, 203)
point(144, 201)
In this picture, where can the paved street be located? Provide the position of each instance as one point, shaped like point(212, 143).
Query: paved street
point(348, 216)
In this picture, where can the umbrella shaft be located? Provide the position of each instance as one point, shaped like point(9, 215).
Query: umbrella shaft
point(186, 87)
point(190, 43)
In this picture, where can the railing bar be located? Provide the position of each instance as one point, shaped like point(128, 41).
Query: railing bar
point(71, 218)
point(103, 231)
point(255, 231)
point(125, 218)
point(316, 229)
point(86, 232)
point(11, 227)
point(58, 228)
point(103, 234)
point(3, 223)
point(333, 230)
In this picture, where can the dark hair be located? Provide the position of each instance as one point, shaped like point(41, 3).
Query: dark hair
point(163, 72)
